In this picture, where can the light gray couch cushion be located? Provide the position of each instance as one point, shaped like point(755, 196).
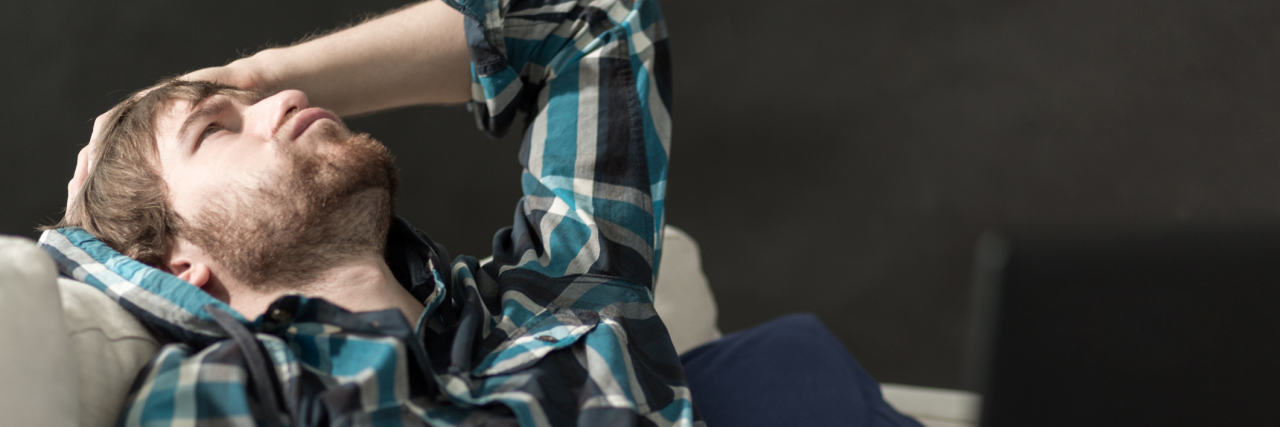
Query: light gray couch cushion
point(682, 296)
point(37, 368)
point(110, 346)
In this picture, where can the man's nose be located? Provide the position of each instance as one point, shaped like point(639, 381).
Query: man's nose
point(267, 116)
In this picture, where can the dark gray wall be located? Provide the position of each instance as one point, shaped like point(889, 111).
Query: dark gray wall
point(833, 157)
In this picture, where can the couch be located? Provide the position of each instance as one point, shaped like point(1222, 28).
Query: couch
point(69, 353)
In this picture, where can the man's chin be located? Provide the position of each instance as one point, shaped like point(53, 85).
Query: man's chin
point(332, 132)
point(289, 245)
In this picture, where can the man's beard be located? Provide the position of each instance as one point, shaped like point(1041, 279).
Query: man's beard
point(319, 211)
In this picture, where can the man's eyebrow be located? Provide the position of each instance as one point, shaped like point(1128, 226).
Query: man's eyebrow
point(207, 109)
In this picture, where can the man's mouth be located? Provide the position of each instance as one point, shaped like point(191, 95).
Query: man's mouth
point(304, 120)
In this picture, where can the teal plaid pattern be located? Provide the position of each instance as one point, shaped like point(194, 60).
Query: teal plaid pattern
point(558, 329)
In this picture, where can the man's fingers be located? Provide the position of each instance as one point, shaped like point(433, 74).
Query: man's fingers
point(77, 179)
point(94, 138)
point(83, 163)
point(228, 75)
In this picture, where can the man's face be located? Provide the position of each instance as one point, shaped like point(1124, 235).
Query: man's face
point(273, 189)
point(234, 140)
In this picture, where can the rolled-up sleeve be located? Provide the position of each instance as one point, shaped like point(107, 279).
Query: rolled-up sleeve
point(593, 79)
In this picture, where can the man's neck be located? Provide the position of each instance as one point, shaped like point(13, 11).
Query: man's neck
point(363, 283)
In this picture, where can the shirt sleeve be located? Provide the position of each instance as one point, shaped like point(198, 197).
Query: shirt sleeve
point(593, 79)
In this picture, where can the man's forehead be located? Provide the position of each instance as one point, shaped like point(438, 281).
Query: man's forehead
point(185, 104)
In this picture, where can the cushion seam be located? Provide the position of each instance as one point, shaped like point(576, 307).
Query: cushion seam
point(113, 339)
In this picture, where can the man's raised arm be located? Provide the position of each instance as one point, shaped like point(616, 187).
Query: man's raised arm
point(412, 56)
point(594, 78)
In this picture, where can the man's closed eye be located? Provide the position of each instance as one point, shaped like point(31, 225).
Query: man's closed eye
point(209, 131)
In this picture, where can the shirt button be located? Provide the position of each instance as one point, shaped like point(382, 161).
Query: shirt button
point(547, 338)
point(280, 315)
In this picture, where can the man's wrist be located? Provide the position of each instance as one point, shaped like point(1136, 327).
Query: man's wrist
point(254, 72)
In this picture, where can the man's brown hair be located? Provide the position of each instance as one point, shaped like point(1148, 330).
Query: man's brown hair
point(124, 200)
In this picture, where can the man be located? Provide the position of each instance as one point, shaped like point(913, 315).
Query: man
point(268, 254)
point(255, 233)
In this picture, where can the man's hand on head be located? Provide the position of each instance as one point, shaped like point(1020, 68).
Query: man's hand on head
point(83, 162)
point(231, 75)
point(374, 66)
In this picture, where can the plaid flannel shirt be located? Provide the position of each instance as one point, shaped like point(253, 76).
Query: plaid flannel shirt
point(558, 329)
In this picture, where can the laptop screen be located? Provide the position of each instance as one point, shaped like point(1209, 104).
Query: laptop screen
point(1170, 328)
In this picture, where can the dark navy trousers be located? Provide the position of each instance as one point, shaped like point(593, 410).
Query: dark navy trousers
point(788, 372)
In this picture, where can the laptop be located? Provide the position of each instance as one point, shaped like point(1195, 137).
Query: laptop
point(1167, 328)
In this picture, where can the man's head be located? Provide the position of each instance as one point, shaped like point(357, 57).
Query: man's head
point(263, 189)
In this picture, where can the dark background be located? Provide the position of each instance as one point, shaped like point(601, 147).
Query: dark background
point(837, 157)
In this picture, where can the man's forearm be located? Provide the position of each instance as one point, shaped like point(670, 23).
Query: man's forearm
point(417, 55)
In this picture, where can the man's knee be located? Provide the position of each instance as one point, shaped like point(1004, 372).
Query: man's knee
point(789, 371)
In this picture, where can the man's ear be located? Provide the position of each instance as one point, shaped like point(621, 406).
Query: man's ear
point(188, 262)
